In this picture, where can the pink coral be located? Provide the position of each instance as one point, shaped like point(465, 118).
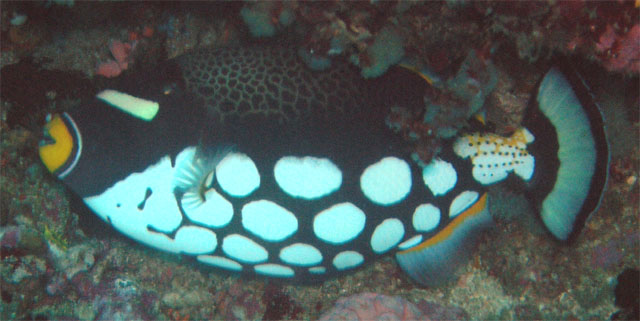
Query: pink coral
point(372, 306)
point(620, 52)
point(606, 40)
point(109, 69)
point(121, 52)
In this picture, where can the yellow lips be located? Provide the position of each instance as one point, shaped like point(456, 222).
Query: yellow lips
point(55, 154)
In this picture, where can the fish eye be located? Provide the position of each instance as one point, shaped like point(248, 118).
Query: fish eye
point(61, 144)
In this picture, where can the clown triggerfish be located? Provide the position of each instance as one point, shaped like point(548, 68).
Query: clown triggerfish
point(251, 162)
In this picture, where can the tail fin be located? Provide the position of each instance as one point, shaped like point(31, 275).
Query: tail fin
point(571, 153)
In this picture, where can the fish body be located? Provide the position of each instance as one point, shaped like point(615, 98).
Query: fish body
point(253, 163)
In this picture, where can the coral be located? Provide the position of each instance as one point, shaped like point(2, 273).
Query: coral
point(239, 303)
point(264, 17)
point(107, 309)
point(328, 32)
point(28, 267)
point(121, 53)
point(17, 240)
point(439, 312)
point(71, 265)
point(116, 300)
point(258, 18)
point(612, 253)
point(185, 299)
point(468, 90)
point(606, 40)
point(620, 52)
point(279, 304)
point(125, 287)
point(602, 31)
point(373, 306)
point(142, 48)
point(387, 49)
point(448, 104)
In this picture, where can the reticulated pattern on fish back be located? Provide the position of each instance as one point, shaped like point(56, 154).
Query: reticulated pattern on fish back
point(272, 82)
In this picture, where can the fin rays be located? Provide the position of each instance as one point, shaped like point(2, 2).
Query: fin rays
point(195, 171)
point(582, 155)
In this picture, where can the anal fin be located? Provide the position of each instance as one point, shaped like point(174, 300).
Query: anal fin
point(432, 261)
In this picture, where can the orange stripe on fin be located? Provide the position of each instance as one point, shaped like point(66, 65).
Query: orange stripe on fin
point(434, 261)
point(443, 235)
point(417, 72)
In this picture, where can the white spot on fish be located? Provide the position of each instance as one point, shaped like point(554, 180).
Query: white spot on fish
point(347, 260)
point(439, 176)
point(339, 223)
point(268, 220)
point(413, 241)
point(238, 175)
point(387, 235)
point(214, 212)
point(386, 182)
point(307, 177)
point(244, 249)
point(301, 254)
point(276, 270)
point(426, 217)
point(221, 262)
point(195, 240)
point(462, 202)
